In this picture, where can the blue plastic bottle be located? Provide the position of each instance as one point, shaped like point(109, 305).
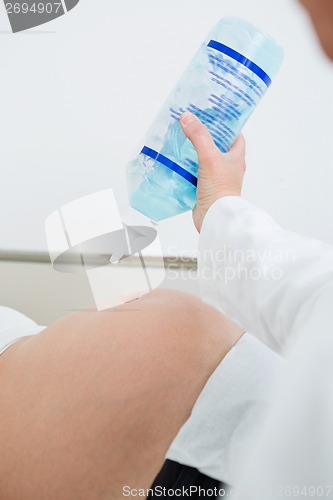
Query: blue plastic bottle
point(222, 86)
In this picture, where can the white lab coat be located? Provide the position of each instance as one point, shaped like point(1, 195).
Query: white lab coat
point(279, 286)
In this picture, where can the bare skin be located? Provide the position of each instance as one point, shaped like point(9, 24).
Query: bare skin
point(93, 403)
point(321, 13)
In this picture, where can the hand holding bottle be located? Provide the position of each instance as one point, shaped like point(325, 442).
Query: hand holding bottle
point(220, 174)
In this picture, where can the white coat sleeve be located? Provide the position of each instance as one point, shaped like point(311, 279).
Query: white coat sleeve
point(294, 455)
point(262, 277)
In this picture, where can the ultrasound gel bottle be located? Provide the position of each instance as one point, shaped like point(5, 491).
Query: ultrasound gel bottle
point(222, 86)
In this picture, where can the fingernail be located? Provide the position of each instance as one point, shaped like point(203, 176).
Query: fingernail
point(187, 118)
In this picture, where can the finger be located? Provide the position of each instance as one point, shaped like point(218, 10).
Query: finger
point(238, 147)
point(199, 135)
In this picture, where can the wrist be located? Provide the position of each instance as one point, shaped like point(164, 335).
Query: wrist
point(200, 210)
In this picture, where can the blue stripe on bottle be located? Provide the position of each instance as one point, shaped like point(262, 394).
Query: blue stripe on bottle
point(170, 164)
point(241, 59)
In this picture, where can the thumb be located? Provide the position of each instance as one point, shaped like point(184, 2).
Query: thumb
point(238, 148)
point(199, 135)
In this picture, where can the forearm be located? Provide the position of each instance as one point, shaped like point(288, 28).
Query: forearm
point(260, 276)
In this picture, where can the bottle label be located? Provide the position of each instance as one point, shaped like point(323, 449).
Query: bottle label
point(225, 88)
point(236, 85)
point(154, 155)
point(236, 56)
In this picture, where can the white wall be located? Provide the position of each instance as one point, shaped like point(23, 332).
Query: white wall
point(78, 94)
